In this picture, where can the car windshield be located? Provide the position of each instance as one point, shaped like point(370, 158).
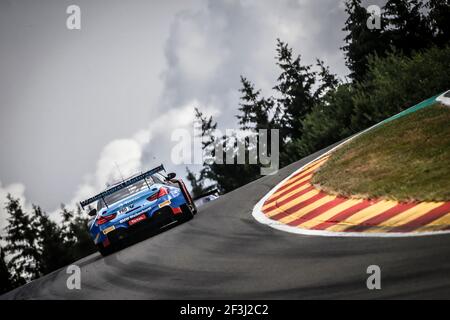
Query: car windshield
point(125, 192)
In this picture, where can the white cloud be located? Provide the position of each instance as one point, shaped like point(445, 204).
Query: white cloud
point(199, 56)
point(119, 157)
point(209, 48)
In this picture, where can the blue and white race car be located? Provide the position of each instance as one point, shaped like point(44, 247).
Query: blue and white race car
point(147, 200)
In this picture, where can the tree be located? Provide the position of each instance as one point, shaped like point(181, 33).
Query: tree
point(302, 89)
point(327, 80)
point(439, 21)
point(197, 183)
point(223, 176)
point(54, 252)
point(75, 233)
point(207, 126)
point(255, 111)
point(361, 41)
point(392, 67)
point(6, 283)
point(21, 241)
point(407, 28)
point(295, 88)
point(37, 245)
point(397, 82)
point(328, 122)
point(404, 27)
point(299, 88)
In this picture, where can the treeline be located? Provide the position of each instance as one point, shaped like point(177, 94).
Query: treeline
point(34, 245)
point(391, 68)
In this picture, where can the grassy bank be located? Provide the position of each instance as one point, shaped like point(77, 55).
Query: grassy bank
point(407, 159)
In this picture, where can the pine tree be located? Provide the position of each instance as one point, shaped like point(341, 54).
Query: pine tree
point(439, 21)
point(75, 233)
point(361, 42)
point(407, 27)
point(197, 183)
point(224, 177)
point(54, 251)
point(21, 240)
point(327, 81)
point(6, 283)
point(295, 90)
point(208, 126)
point(255, 111)
point(299, 88)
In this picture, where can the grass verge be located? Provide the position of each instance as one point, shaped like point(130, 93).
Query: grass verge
point(407, 159)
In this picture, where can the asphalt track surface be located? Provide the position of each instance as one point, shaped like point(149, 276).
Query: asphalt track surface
point(224, 253)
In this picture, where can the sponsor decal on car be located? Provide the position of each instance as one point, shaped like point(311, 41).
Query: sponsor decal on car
point(123, 210)
point(108, 230)
point(130, 217)
point(137, 219)
point(165, 203)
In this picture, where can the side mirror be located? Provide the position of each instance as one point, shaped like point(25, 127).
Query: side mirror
point(171, 175)
point(93, 212)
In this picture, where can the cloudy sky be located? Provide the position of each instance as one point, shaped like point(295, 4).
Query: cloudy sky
point(75, 102)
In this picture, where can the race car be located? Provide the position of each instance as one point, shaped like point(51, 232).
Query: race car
point(444, 98)
point(206, 197)
point(145, 201)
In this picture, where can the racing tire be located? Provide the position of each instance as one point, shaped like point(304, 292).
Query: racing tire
point(194, 208)
point(187, 197)
point(105, 251)
point(186, 213)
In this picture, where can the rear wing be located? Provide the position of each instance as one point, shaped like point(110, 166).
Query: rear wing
point(121, 186)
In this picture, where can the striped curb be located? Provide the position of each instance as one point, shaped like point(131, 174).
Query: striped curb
point(297, 206)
